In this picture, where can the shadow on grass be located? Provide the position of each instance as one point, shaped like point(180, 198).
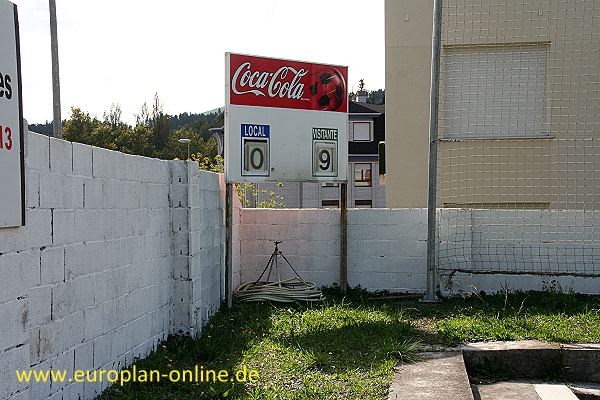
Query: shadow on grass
point(346, 344)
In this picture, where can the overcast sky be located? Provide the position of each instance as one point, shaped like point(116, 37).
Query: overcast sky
point(123, 51)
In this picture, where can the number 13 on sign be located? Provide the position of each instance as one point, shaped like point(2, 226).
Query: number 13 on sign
point(5, 138)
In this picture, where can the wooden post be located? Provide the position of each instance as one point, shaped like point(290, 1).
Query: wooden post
point(228, 243)
point(344, 238)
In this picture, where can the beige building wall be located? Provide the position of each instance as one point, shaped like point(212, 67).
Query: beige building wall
point(408, 25)
point(557, 171)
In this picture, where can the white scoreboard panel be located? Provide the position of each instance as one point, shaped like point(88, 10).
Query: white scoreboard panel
point(12, 179)
point(285, 121)
point(287, 145)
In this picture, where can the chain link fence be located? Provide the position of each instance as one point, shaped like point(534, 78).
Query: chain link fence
point(518, 167)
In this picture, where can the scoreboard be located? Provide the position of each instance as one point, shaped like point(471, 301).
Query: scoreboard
point(285, 121)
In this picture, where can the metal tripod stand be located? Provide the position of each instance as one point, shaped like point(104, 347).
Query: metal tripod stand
point(273, 263)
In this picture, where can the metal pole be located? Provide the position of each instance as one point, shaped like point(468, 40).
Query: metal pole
point(344, 238)
point(57, 123)
point(430, 296)
point(228, 243)
point(188, 150)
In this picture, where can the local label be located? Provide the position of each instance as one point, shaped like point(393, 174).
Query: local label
point(255, 131)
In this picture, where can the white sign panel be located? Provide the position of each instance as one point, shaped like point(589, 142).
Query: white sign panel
point(12, 180)
point(285, 120)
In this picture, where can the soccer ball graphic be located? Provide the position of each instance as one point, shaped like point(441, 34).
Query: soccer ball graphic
point(327, 89)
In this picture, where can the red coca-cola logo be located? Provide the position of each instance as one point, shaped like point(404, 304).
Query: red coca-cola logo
point(267, 82)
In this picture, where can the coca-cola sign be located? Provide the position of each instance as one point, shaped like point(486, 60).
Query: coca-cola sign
point(268, 82)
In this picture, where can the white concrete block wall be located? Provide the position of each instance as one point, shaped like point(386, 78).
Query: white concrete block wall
point(198, 228)
point(92, 280)
point(386, 247)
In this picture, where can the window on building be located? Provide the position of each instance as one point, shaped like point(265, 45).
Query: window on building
point(361, 131)
point(495, 91)
point(362, 174)
point(330, 203)
point(363, 203)
point(330, 184)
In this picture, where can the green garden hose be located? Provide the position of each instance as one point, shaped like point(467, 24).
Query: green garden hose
point(285, 291)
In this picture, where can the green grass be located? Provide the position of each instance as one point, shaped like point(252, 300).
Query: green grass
point(347, 347)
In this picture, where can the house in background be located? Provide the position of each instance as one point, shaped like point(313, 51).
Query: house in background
point(365, 131)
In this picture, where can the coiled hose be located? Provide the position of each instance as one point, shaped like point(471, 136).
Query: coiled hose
point(284, 291)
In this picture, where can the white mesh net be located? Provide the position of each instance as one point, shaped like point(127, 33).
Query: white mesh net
point(519, 137)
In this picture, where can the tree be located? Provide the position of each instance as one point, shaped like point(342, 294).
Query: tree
point(159, 124)
point(80, 127)
point(151, 136)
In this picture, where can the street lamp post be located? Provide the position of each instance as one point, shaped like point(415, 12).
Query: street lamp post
point(57, 123)
point(186, 141)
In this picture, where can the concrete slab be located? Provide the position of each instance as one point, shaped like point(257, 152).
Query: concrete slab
point(439, 376)
point(506, 391)
point(554, 391)
point(586, 390)
point(531, 359)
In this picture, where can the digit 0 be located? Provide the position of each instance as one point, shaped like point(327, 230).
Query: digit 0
point(261, 158)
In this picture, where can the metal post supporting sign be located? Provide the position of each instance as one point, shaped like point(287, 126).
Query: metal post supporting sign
point(433, 127)
point(229, 244)
point(344, 238)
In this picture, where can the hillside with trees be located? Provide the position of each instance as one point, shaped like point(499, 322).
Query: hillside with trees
point(154, 134)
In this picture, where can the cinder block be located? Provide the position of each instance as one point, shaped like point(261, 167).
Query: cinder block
point(82, 159)
point(91, 390)
point(179, 172)
point(63, 227)
point(93, 322)
point(102, 350)
point(13, 360)
point(119, 343)
point(51, 190)
point(108, 164)
point(84, 356)
point(13, 330)
point(58, 191)
point(61, 156)
point(178, 195)
point(63, 362)
point(84, 258)
point(32, 195)
point(74, 391)
point(39, 228)
point(157, 195)
point(39, 305)
point(52, 265)
point(38, 152)
point(112, 193)
point(133, 165)
point(90, 225)
point(92, 193)
point(18, 272)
